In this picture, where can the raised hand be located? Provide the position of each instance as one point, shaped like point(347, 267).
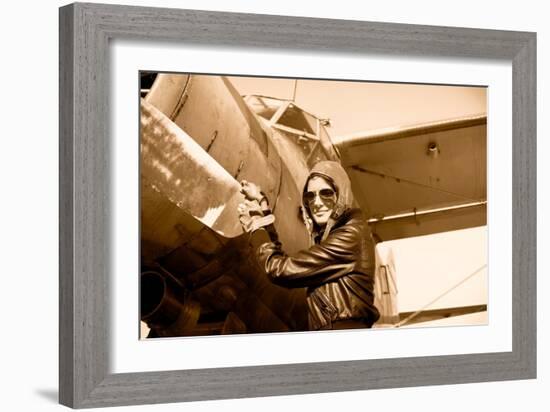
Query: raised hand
point(251, 191)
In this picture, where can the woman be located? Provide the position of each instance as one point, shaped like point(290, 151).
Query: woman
point(338, 269)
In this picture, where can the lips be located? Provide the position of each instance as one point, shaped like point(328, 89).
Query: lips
point(320, 212)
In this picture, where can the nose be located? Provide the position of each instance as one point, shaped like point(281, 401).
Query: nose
point(317, 202)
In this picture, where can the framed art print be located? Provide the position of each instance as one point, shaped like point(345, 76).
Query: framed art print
point(241, 192)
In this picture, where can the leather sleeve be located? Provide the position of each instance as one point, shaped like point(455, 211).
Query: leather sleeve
point(327, 261)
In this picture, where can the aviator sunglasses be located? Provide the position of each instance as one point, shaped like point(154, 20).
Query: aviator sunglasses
point(324, 194)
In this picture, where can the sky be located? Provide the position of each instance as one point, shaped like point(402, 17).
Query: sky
point(359, 106)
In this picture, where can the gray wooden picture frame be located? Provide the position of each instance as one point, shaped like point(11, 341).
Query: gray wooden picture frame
point(85, 32)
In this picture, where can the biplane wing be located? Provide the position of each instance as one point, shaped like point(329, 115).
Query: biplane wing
point(420, 179)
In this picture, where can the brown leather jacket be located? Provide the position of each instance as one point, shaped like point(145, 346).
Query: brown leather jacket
point(338, 270)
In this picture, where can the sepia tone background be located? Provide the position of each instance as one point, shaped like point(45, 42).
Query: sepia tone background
point(416, 155)
point(360, 106)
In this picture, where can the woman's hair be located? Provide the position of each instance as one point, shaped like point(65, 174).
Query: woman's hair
point(328, 179)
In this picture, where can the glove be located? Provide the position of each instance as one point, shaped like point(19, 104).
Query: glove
point(251, 191)
point(252, 217)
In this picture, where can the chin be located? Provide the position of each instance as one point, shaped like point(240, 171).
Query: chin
point(321, 220)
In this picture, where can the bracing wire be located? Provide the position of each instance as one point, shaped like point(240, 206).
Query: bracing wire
point(418, 312)
point(411, 182)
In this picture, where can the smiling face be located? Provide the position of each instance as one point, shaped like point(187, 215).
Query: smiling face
point(320, 198)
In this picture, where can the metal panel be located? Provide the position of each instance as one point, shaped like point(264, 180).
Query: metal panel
point(396, 172)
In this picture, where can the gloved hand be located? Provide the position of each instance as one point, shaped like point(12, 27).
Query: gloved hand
point(252, 192)
point(252, 217)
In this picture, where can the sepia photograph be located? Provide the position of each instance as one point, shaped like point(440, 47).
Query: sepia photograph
point(297, 205)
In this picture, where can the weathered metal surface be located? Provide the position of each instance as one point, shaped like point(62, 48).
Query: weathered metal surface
point(168, 93)
point(176, 167)
point(165, 310)
point(210, 111)
point(189, 201)
point(234, 267)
